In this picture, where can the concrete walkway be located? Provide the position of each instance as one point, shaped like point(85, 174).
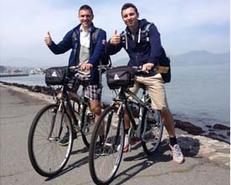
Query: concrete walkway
point(207, 160)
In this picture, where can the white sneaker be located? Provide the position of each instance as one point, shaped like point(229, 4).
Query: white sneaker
point(177, 154)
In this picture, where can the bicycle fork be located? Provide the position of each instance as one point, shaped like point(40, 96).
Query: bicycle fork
point(51, 136)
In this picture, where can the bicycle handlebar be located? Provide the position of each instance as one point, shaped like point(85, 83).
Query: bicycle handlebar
point(77, 73)
point(156, 69)
point(138, 70)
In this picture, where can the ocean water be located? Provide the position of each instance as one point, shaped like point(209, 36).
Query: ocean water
point(199, 93)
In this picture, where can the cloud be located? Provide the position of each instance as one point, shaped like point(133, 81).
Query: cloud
point(203, 24)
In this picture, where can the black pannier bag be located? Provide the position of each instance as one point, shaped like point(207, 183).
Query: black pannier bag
point(165, 62)
point(56, 75)
point(122, 76)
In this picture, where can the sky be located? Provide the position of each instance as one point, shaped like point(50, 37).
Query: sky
point(184, 26)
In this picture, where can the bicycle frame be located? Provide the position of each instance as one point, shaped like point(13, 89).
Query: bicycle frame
point(123, 95)
point(65, 103)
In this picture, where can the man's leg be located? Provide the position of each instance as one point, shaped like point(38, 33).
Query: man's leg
point(168, 121)
point(133, 89)
point(95, 106)
point(159, 101)
point(93, 92)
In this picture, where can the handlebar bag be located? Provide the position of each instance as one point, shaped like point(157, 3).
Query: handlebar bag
point(56, 75)
point(121, 76)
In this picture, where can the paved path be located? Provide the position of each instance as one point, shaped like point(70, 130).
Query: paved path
point(207, 161)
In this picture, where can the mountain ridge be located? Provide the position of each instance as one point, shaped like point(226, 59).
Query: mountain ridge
point(201, 56)
point(193, 56)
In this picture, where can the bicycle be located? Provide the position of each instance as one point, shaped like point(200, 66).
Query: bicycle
point(69, 114)
point(105, 157)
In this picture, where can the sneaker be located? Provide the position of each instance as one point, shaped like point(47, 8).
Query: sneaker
point(177, 154)
point(65, 140)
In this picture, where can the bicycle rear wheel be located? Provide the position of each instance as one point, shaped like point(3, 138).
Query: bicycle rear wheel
point(105, 155)
point(152, 131)
point(87, 124)
point(50, 125)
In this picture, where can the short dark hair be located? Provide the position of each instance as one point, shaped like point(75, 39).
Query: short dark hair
point(129, 5)
point(86, 7)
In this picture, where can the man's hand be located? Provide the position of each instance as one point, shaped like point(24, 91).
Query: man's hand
point(48, 39)
point(86, 67)
point(115, 39)
point(147, 67)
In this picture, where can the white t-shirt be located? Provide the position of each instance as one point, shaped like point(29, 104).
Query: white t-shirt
point(84, 52)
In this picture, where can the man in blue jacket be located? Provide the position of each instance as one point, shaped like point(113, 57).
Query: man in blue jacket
point(141, 40)
point(87, 48)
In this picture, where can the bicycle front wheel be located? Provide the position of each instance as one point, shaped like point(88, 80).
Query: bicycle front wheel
point(105, 154)
point(152, 131)
point(49, 126)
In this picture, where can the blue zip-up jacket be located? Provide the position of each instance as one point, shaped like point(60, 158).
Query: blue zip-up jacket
point(139, 49)
point(72, 41)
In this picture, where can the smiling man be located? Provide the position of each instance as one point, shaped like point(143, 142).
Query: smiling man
point(141, 40)
point(86, 51)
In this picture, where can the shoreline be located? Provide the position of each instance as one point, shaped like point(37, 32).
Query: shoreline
point(13, 75)
point(218, 132)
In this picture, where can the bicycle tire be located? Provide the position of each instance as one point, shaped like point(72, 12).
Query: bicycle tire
point(110, 151)
point(47, 129)
point(152, 134)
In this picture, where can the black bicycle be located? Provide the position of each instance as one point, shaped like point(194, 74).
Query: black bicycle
point(105, 157)
point(69, 115)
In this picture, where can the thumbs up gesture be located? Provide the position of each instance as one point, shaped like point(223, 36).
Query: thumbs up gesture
point(115, 38)
point(48, 38)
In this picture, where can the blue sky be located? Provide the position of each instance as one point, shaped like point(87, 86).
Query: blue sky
point(184, 25)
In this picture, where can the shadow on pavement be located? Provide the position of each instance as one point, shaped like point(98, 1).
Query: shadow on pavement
point(190, 148)
point(73, 165)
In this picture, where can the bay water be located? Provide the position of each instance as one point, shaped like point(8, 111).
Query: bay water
point(199, 93)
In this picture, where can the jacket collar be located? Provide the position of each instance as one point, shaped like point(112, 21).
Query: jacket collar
point(91, 28)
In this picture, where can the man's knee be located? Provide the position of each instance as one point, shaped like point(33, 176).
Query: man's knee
point(96, 108)
point(164, 110)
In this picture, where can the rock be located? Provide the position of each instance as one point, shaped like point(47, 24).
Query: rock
point(212, 134)
point(36, 88)
point(221, 127)
point(211, 130)
point(189, 127)
point(222, 136)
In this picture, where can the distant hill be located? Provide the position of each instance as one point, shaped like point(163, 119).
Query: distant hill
point(195, 57)
point(192, 57)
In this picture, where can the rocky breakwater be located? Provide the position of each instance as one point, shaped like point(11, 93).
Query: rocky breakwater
point(216, 131)
point(33, 88)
